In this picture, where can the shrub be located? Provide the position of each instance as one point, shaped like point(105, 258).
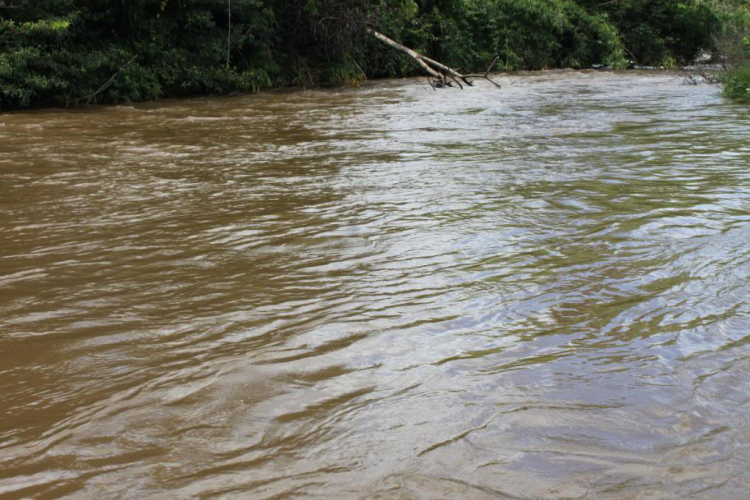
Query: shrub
point(737, 85)
point(58, 52)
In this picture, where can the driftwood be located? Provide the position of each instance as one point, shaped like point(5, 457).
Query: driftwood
point(702, 74)
point(444, 75)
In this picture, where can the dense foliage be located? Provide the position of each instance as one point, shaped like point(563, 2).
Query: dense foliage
point(58, 52)
point(733, 43)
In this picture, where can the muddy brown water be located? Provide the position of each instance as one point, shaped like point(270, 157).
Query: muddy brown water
point(384, 292)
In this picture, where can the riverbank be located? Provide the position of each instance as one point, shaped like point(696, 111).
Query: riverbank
point(67, 52)
point(685, 73)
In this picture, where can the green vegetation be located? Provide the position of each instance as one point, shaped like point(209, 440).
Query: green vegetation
point(60, 52)
point(733, 44)
point(738, 84)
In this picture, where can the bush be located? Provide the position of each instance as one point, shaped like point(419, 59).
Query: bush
point(733, 47)
point(60, 52)
point(523, 34)
point(737, 85)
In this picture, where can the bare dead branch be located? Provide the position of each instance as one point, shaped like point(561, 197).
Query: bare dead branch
point(442, 72)
point(405, 50)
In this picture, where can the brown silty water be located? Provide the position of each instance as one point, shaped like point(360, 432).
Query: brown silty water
point(382, 292)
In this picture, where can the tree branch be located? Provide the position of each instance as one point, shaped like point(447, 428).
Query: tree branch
point(434, 68)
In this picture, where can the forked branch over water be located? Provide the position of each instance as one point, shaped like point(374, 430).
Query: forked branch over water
point(444, 75)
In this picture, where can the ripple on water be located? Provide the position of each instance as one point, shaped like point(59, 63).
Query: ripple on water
point(382, 292)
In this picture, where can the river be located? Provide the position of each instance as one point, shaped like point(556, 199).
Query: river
point(380, 292)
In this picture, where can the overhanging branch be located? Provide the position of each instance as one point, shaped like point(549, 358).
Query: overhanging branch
point(443, 73)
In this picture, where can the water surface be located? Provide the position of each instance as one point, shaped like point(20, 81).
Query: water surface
point(384, 292)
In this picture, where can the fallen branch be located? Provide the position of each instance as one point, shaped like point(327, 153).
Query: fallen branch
point(701, 72)
point(447, 70)
point(486, 75)
point(443, 73)
point(406, 50)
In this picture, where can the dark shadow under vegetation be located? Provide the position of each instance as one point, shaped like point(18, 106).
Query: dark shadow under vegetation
point(64, 52)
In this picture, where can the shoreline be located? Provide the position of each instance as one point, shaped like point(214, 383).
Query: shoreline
point(686, 70)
